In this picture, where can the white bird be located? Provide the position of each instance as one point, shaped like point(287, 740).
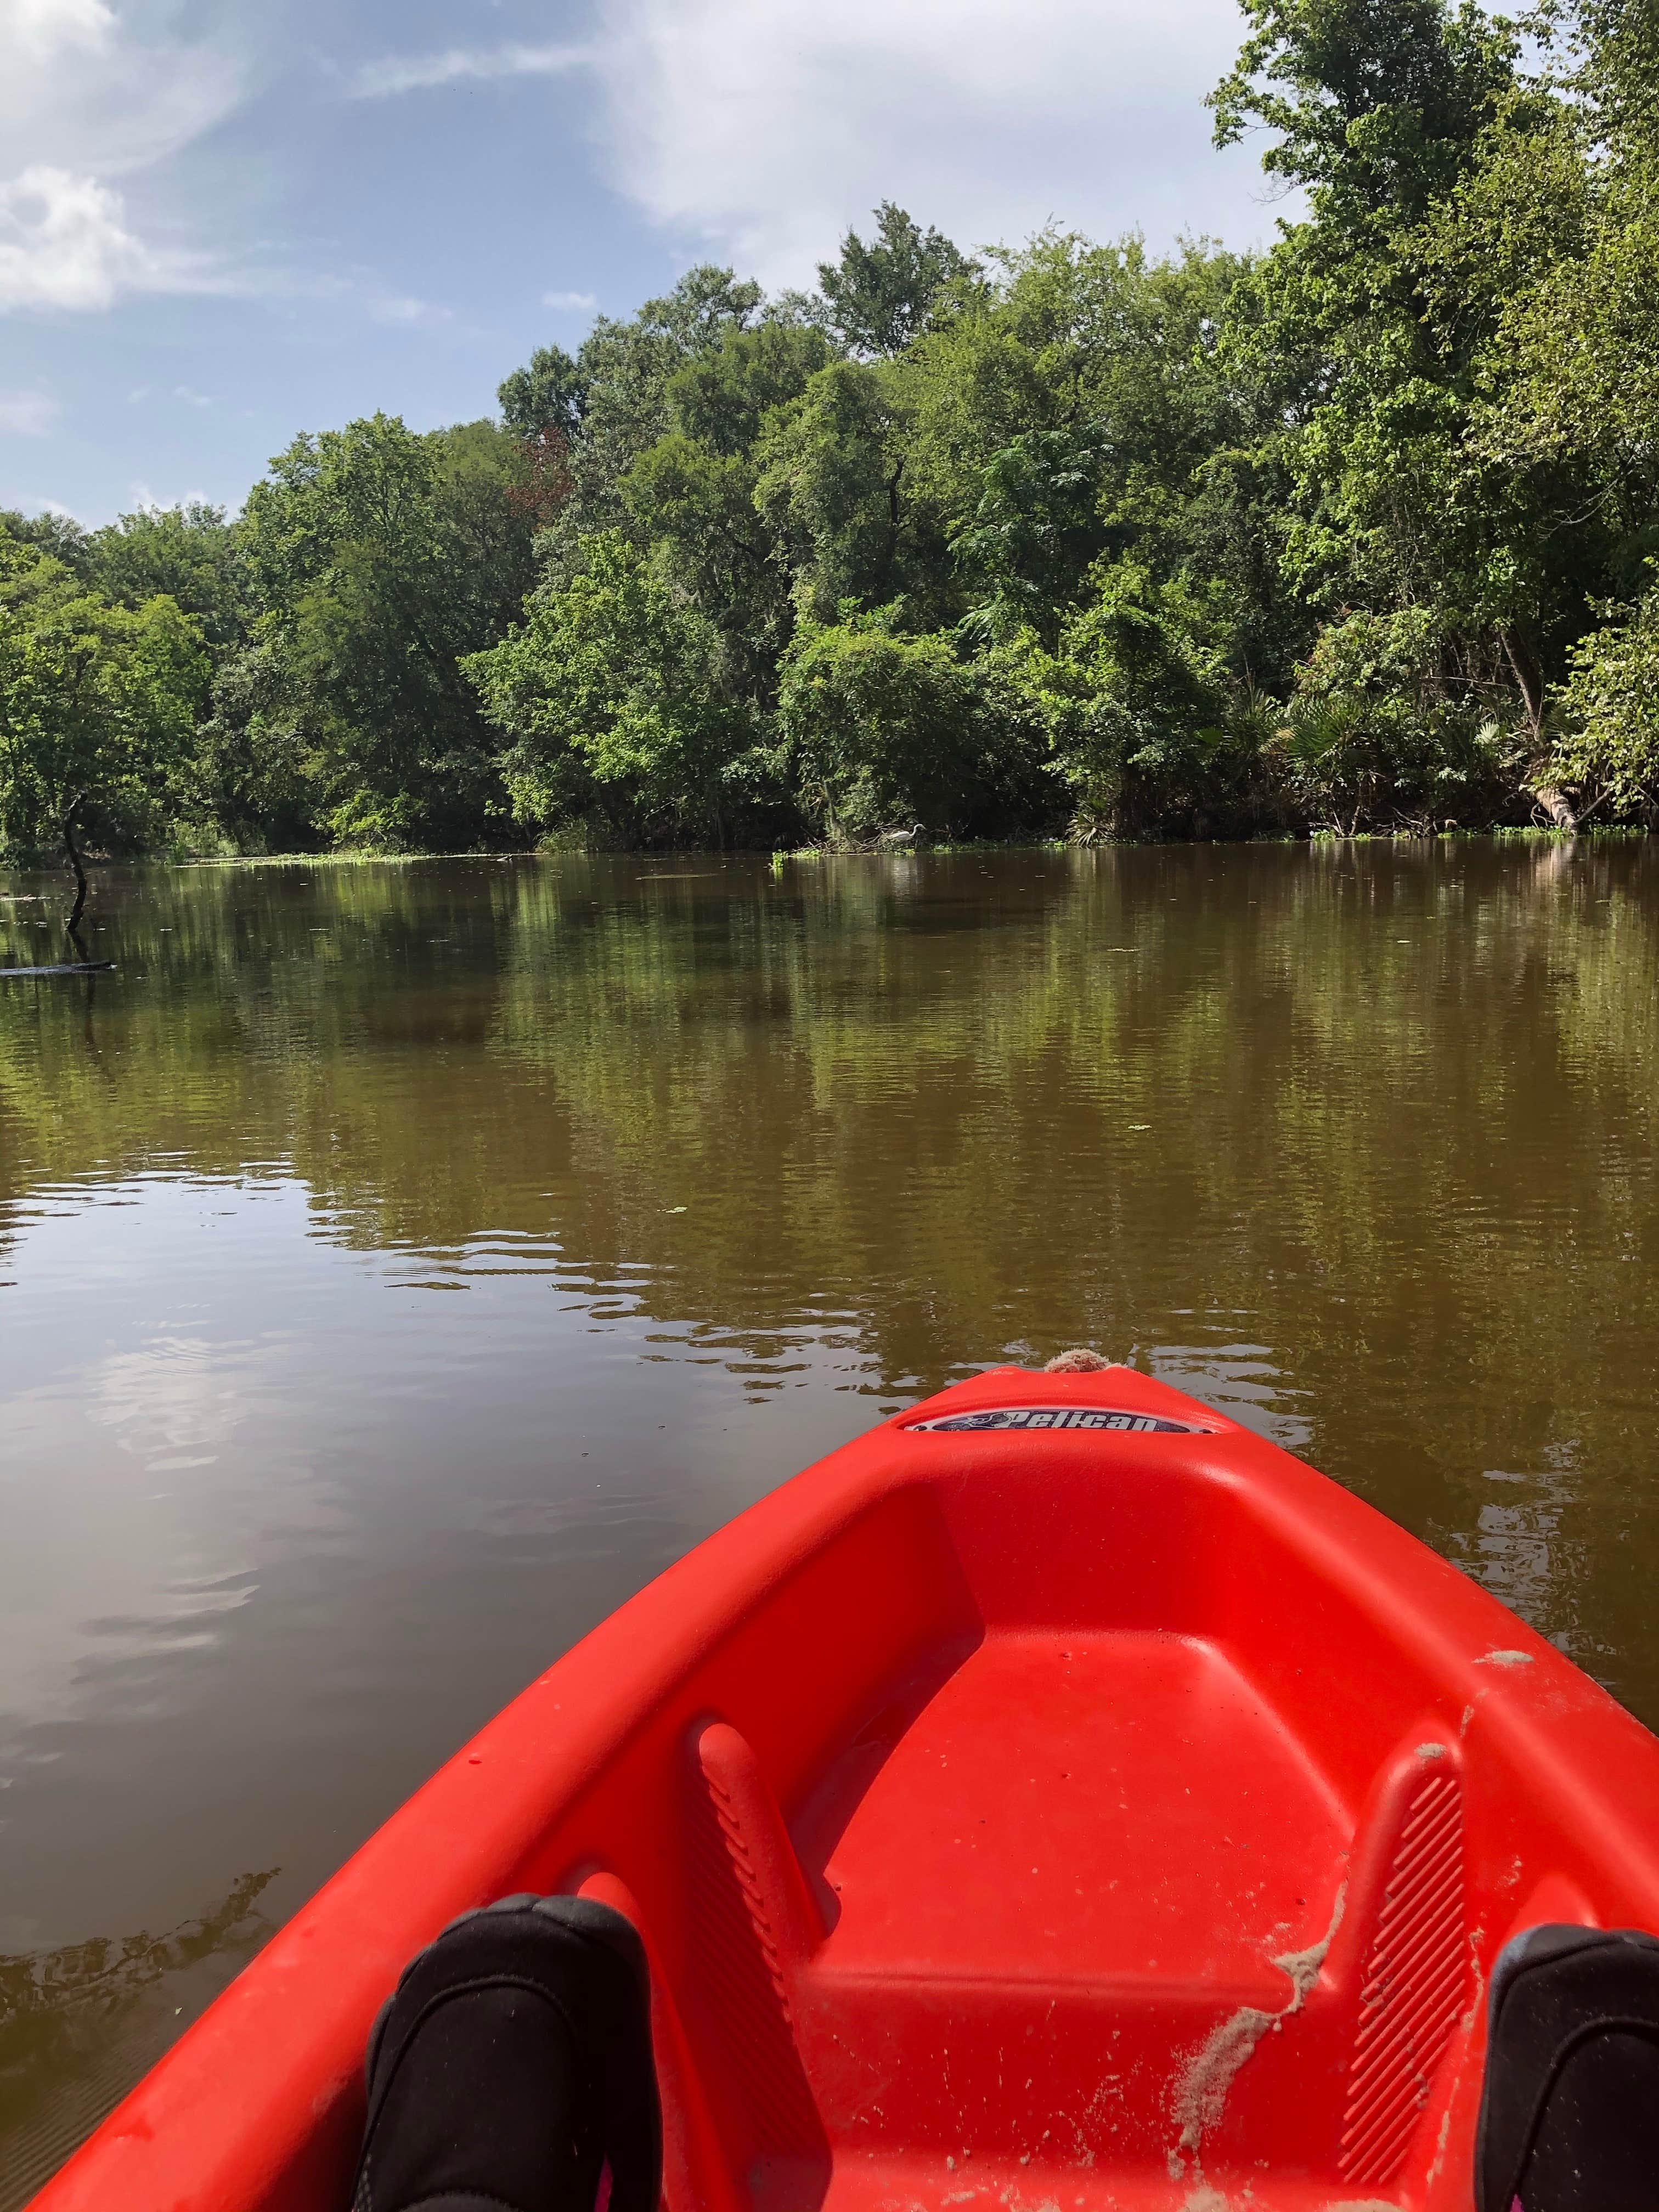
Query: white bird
point(900, 837)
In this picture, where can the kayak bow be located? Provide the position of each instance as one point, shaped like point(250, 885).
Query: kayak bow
point(1060, 1797)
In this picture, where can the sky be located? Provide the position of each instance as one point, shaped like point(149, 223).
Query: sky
point(222, 222)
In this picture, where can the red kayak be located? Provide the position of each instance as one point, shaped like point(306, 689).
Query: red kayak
point(1061, 1798)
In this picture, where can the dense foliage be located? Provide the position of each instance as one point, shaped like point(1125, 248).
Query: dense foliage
point(1358, 533)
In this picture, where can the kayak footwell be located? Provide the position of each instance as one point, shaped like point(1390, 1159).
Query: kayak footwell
point(1074, 1805)
point(1152, 1821)
point(1030, 1895)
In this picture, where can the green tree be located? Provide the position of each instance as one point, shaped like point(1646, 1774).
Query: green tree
point(693, 492)
point(1377, 103)
point(550, 393)
point(187, 554)
point(1571, 388)
point(1135, 702)
point(377, 559)
point(832, 485)
point(1038, 528)
point(878, 297)
point(610, 695)
point(1581, 337)
point(1608, 748)
point(60, 534)
point(1077, 408)
point(1429, 161)
point(98, 708)
point(887, 731)
point(258, 752)
point(623, 370)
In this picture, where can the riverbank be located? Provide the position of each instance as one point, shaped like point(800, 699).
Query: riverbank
point(50, 864)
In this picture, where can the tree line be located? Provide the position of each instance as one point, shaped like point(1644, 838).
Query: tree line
point(1354, 534)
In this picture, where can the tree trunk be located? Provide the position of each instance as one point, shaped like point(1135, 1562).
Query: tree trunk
point(1528, 680)
point(72, 926)
point(1556, 804)
point(893, 483)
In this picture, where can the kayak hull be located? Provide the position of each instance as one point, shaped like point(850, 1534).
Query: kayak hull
point(1116, 1814)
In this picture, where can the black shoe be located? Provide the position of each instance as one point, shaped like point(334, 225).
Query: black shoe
point(1570, 2114)
point(510, 2069)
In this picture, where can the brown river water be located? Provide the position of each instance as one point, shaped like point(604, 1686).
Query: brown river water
point(401, 1264)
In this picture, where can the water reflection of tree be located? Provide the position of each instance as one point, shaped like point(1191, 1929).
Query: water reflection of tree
point(1526, 1545)
point(74, 2033)
point(578, 1053)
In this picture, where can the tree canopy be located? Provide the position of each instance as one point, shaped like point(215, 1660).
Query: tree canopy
point(1358, 533)
point(99, 705)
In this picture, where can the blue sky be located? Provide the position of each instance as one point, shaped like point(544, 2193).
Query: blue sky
point(222, 224)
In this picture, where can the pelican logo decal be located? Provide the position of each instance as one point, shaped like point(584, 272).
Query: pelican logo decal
point(1057, 1417)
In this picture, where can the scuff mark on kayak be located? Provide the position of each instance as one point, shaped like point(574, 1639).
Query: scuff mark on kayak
point(1504, 1659)
point(1012, 2198)
point(1202, 2093)
point(1440, 2142)
point(1202, 2097)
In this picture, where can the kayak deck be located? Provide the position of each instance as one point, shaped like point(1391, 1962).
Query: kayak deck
point(1056, 1819)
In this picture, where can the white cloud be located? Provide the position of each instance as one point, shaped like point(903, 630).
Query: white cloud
point(26, 503)
point(84, 99)
point(191, 399)
point(422, 72)
point(42, 26)
point(64, 243)
point(143, 500)
point(421, 312)
point(583, 301)
point(762, 128)
point(28, 414)
point(80, 91)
